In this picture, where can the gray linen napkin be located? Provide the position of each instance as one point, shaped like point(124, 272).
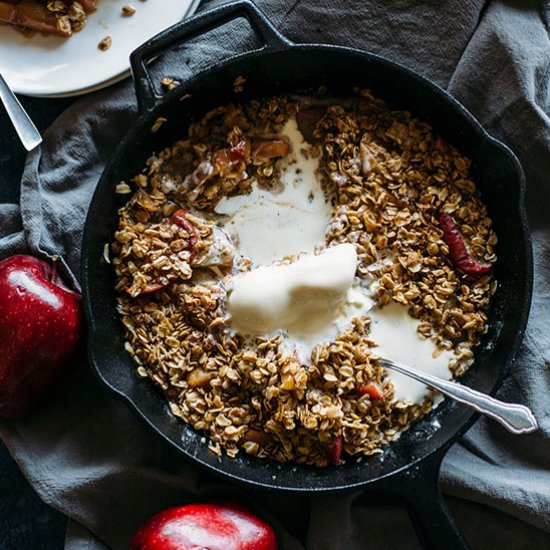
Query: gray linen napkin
point(84, 452)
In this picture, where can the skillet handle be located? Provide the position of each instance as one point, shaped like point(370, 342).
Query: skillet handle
point(147, 96)
point(418, 488)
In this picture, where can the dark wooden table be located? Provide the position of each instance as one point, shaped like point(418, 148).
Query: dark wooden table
point(26, 523)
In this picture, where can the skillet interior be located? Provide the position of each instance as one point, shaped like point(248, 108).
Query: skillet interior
point(294, 69)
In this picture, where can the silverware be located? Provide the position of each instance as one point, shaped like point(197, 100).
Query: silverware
point(28, 134)
point(516, 418)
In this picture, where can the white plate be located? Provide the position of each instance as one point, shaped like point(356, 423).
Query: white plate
point(54, 66)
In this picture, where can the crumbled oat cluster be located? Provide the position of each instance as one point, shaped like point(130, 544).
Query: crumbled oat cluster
point(388, 177)
point(105, 43)
point(128, 9)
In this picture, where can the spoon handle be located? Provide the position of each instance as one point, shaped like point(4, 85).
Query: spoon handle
point(516, 418)
point(28, 134)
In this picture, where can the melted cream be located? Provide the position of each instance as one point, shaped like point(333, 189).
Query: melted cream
point(301, 298)
point(395, 333)
point(313, 300)
point(268, 225)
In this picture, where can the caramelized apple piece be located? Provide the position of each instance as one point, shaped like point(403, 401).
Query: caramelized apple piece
point(220, 253)
point(268, 149)
point(458, 252)
point(33, 16)
point(368, 160)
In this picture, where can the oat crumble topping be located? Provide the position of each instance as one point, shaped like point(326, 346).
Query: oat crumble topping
point(388, 177)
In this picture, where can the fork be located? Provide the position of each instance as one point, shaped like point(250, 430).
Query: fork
point(28, 134)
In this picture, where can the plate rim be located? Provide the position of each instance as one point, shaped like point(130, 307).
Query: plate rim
point(115, 79)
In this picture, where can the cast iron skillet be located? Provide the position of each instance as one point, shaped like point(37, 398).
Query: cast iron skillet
point(409, 467)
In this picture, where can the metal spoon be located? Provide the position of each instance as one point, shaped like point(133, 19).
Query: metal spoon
point(516, 418)
point(28, 134)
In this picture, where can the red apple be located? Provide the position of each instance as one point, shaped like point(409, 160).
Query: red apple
point(40, 326)
point(205, 526)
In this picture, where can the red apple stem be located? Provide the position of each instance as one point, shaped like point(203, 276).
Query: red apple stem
point(55, 260)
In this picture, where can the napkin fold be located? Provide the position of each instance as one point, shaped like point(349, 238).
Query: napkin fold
point(88, 456)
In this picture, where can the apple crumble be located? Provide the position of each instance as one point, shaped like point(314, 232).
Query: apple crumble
point(268, 258)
